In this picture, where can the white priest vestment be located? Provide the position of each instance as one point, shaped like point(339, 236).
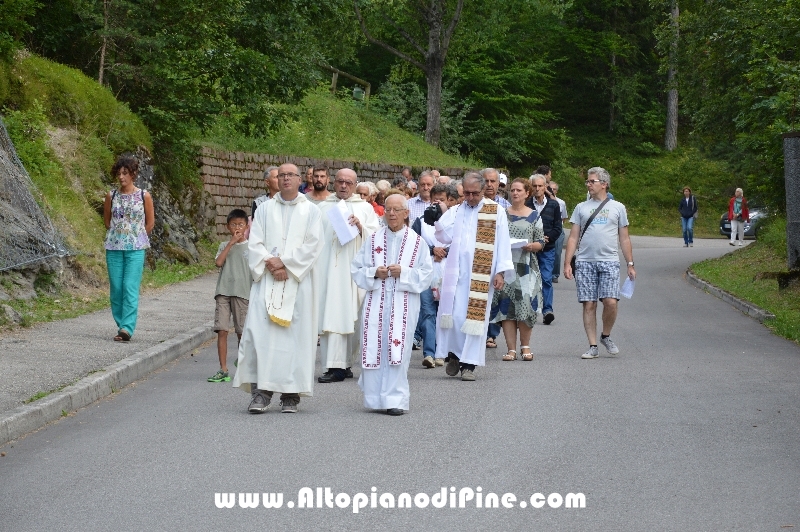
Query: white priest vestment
point(341, 300)
point(470, 348)
point(277, 357)
point(389, 313)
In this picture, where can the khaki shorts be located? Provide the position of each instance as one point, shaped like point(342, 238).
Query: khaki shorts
point(228, 306)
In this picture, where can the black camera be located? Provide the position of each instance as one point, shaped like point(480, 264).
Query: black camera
point(432, 214)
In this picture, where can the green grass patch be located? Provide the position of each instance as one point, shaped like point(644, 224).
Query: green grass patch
point(40, 395)
point(70, 99)
point(649, 182)
point(735, 273)
point(326, 127)
point(165, 273)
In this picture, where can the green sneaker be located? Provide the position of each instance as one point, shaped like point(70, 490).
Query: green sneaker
point(220, 376)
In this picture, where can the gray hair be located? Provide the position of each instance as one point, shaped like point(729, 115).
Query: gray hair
point(538, 176)
point(739, 190)
point(452, 191)
point(383, 185)
point(601, 173)
point(373, 190)
point(425, 173)
point(488, 171)
point(268, 170)
point(477, 176)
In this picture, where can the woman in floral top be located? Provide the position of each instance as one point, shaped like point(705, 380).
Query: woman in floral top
point(128, 215)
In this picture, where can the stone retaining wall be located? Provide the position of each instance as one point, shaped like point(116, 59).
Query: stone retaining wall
point(235, 179)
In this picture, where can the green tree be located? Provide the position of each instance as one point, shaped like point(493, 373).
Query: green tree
point(740, 63)
point(428, 47)
point(14, 16)
point(606, 73)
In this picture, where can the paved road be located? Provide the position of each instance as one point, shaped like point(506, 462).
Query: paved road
point(694, 426)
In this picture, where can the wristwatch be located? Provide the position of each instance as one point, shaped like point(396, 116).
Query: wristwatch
point(630, 263)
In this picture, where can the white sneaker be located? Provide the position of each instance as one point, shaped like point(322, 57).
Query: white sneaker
point(428, 362)
point(610, 346)
point(591, 353)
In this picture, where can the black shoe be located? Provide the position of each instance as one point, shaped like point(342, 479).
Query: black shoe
point(452, 367)
point(332, 375)
point(548, 318)
point(395, 411)
point(348, 373)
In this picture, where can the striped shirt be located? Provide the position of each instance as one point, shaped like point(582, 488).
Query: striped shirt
point(502, 201)
point(416, 207)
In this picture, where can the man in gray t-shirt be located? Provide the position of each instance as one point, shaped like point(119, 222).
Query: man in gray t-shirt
point(597, 261)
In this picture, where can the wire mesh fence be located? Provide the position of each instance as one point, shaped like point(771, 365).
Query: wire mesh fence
point(27, 234)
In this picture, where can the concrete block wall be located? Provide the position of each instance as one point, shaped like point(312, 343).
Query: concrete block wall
point(235, 179)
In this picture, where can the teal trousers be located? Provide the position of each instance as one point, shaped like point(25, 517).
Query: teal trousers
point(125, 276)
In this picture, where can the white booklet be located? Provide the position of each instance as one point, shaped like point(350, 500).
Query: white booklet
point(517, 243)
point(338, 216)
point(627, 288)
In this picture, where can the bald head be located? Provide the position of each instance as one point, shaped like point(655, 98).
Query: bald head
point(345, 183)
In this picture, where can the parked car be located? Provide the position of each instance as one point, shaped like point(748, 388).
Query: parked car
point(757, 216)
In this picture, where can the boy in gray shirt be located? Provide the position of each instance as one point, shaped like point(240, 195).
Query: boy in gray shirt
point(233, 289)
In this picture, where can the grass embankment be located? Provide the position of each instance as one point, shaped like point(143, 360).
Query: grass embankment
point(325, 127)
point(67, 130)
point(735, 273)
point(649, 183)
point(648, 180)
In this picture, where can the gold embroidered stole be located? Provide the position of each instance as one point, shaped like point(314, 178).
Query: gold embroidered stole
point(480, 278)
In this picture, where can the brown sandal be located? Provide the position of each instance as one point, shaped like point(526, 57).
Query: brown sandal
point(508, 356)
point(527, 357)
point(490, 343)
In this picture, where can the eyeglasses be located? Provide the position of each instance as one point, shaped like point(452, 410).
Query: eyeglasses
point(240, 224)
point(592, 181)
point(342, 182)
point(392, 210)
point(284, 176)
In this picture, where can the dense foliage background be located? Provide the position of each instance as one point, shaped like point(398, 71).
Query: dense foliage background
point(523, 79)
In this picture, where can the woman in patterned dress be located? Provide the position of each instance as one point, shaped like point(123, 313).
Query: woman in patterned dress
point(128, 215)
point(512, 306)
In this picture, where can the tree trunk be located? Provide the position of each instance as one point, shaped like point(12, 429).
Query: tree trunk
point(671, 133)
point(433, 127)
point(439, 34)
point(613, 88)
point(434, 68)
point(104, 41)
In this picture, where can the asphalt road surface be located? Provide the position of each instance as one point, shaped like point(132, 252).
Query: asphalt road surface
point(693, 426)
